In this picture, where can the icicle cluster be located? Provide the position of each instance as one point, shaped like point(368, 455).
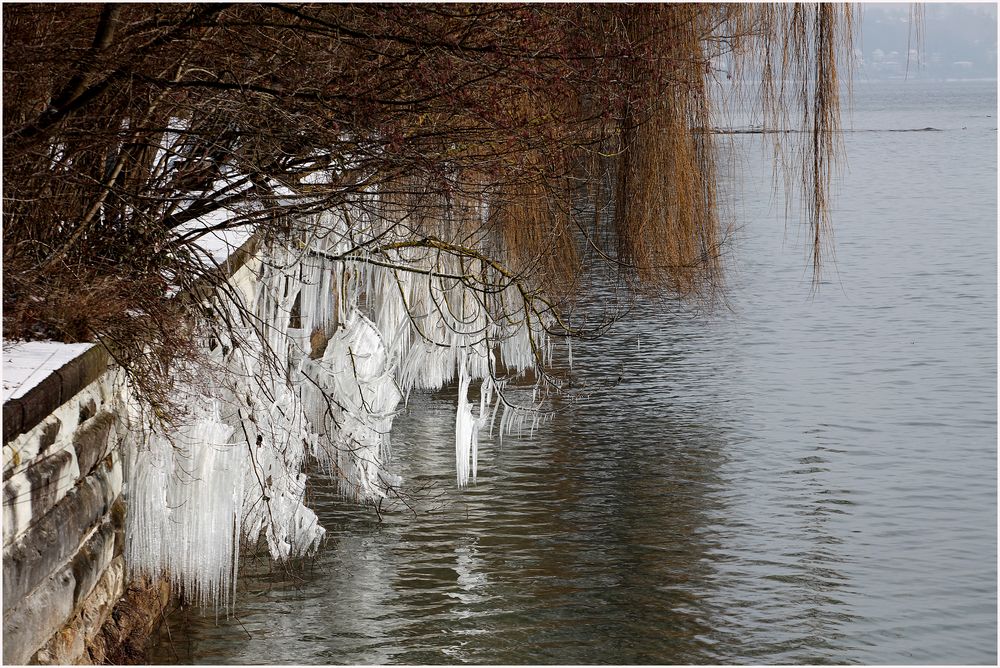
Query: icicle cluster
point(338, 330)
point(186, 498)
point(443, 314)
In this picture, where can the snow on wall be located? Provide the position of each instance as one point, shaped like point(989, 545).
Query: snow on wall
point(27, 363)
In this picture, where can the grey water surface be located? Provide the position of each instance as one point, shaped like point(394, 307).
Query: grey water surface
point(807, 477)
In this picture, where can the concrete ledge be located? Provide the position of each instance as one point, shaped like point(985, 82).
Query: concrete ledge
point(39, 402)
point(82, 371)
point(23, 414)
point(13, 420)
point(240, 256)
point(204, 288)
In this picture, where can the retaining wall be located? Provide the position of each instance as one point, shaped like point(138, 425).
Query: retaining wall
point(63, 515)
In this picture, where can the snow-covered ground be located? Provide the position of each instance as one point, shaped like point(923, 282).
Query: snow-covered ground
point(27, 363)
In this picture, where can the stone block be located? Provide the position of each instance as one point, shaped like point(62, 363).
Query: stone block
point(36, 489)
point(102, 599)
point(41, 400)
point(49, 433)
point(71, 644)
point(28, 625)
point(32, 622)
point(88, 409)
point(50, 479)
point(16, 507)
point(90, 441)
point(63, 649)
point(89, 563)
point(53, 538)
point(24, 449)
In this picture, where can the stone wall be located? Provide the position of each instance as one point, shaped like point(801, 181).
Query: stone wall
point(63, 515)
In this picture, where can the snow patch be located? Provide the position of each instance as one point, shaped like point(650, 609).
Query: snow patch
point(27, 363)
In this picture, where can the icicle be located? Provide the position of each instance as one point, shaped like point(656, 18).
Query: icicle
point(465, 429)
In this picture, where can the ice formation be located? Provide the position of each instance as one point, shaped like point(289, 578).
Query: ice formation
point(185, 506)
point(340, 328)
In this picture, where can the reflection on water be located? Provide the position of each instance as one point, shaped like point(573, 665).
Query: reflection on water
point(804, 479)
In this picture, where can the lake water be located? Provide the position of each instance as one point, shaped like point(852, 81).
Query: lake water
point(809, 477)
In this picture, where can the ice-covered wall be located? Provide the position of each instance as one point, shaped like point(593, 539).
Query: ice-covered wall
point(325, 335)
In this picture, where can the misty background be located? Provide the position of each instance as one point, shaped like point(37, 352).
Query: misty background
point(959, 41)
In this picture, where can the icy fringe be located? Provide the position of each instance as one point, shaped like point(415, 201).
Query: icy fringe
point(314, 364)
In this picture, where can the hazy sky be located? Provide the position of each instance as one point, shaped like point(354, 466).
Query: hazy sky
point(959, 40)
